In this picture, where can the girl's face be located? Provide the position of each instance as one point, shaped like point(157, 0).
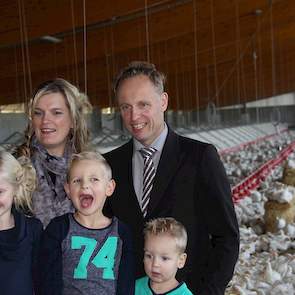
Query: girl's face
point(52, 122)
point(6, 197)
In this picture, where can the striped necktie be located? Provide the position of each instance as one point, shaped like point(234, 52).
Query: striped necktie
point(149, 173)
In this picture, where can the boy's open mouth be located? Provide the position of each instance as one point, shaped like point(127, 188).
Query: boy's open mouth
point(86, 200)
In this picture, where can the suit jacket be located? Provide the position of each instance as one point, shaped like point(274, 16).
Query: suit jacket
point(191, 186)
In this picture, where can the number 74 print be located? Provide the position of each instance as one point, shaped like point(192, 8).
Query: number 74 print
point(105, 258)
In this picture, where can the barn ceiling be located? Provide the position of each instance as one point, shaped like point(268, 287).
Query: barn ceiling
point(221, 51)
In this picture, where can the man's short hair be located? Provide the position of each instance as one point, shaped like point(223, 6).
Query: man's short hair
point(93, 156)
point(136, 68)
point(167, 226)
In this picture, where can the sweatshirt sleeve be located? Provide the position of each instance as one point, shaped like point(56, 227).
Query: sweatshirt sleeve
point(126, 277)
point(51, 256)
point(37, 229)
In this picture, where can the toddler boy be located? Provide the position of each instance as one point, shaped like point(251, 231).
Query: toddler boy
point(165, 241)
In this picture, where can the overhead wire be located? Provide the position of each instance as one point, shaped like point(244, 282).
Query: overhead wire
point(107, 67)
point(255, 81)
point(196, 64)
point(242, 54)
point(16, 75)
point(177, 87)
point(147, 31)
point(76, 72)
point(273, 62)
point(258, 68)
point(214, 53)
point(22, 48)
point(68, 71)
point(238, 40)
point(25, 31)
point(114, 61)
point(54, 60)
point(85, 45)
point(182, 79)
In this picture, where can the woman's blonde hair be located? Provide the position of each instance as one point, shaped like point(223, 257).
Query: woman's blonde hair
point(22, 176)
point(78, 105)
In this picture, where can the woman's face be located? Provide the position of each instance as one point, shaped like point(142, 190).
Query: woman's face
point(52, 122)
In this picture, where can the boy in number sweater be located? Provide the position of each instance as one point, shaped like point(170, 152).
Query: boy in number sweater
point(87, 252)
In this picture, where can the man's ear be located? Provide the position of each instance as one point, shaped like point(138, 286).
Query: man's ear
point(67, 190)
point(110, 187)
point(164, 101)
point(182, 260)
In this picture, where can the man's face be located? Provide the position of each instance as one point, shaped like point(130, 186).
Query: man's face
point(142, 108)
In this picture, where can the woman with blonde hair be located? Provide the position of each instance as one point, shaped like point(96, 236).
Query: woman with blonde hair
point(57, 128)
point(19, 234)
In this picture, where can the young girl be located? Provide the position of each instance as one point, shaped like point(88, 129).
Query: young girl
point(19, 235)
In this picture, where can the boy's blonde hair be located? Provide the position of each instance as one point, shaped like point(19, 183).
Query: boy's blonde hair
point(22, 176)
point(167, 226)
point(93, 156)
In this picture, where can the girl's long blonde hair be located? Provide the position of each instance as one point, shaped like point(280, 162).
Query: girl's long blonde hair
point(22, 176)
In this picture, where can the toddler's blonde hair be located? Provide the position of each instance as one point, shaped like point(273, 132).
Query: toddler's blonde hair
point(167, 226)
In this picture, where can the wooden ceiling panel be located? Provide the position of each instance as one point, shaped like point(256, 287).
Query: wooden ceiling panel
point(9, 29)
point(225, 34)
point(43, 17)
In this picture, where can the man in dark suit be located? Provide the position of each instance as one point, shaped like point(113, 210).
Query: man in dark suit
point(190, 183)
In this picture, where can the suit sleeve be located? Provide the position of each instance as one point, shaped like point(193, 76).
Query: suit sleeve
point(126, 276)
point(220, 218)
point(51, 257)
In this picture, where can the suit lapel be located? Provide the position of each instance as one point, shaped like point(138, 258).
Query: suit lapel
point(128, 157)
point(168, 165)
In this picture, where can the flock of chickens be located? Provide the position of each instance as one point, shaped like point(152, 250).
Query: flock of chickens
point(266, 264)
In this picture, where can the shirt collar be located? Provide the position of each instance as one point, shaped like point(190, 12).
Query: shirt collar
point(158, 143)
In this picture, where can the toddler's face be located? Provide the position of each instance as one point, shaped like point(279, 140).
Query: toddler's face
point(89, 187)
point(162, 259)
point(6, 196)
